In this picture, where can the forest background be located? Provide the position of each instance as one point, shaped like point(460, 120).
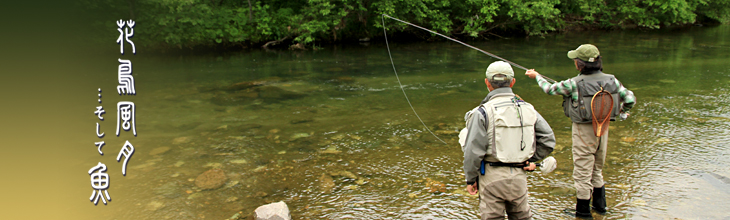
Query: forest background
point(229, 24)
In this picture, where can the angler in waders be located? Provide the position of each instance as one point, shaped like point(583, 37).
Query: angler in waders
point(505, 136)
point(591, 100)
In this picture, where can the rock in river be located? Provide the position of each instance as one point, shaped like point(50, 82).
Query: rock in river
point(243, 85)
point(155, 205)
point(273, 211)
point(159, 150)
point(269, 93)
point(326, 183)
point(211, 179)
point(273, 92)
point(434, 186)
point(346, 174)
point(180, 140)
point(169, 190)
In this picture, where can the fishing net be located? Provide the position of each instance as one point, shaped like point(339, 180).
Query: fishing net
point(601, 108)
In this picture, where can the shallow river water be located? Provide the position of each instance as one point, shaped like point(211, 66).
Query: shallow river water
point(335, 138)
point(331, 134)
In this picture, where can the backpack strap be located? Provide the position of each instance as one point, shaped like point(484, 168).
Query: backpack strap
point(484, 114)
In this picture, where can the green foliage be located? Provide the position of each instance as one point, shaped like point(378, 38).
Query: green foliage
point(645, 13)
point(210, 23)
point(717, 10)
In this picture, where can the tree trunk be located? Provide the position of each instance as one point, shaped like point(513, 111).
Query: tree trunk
point(131, 9)
point(250, 8)
point(266, 46)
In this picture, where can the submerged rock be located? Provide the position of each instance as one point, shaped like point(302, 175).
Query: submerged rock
point(169, 190)
point(213, 165)
point(159, 150)
point(434, 186)
point(211, 179)
point(628, 139)
point(155, 205)
point(235, 216)
point(234, 98)
point(259, 169)
point(326, 183)
point(231, 184)
point(273, 92)
point(239, 161)
point(301, 120)
point(347, 174)
point(195, 195)
point(255, 95)
point(243, 85)
point(232, 199)
point(179, 163)
point(273, 211)
point(299, 135)
point(331, 150)
point(180, 140)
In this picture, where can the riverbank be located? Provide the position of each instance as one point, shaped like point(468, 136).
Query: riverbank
point(225, 25)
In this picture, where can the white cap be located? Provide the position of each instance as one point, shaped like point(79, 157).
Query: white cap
point(500, 67)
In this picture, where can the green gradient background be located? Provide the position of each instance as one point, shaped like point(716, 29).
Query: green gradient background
point(50, 72)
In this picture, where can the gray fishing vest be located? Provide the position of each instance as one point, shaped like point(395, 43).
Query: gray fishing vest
point(511, 129)
point(580, 111)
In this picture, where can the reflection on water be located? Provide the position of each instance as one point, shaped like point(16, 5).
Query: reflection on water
point(329, 132)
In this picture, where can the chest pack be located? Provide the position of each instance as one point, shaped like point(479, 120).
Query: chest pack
point(588, 85)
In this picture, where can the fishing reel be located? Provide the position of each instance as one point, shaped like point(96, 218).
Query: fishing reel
point(548, 165)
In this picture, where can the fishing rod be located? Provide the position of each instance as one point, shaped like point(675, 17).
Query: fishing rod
point(462, 43)
point(385, 33)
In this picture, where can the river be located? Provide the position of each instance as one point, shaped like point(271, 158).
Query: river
point(331, 134)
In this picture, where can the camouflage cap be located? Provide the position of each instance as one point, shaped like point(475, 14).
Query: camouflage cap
point(500, 67)
point(586, 52)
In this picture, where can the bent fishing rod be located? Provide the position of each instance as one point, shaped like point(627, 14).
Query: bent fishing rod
point(462, 43)
point(385, 34)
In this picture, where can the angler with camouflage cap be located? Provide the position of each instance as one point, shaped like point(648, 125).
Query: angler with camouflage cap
point(505, 136)
point(589, 100)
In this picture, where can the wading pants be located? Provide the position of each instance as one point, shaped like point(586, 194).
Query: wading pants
point(589, 155)
point(503, 189)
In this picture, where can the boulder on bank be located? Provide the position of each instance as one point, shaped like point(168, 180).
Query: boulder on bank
point(273, 211)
